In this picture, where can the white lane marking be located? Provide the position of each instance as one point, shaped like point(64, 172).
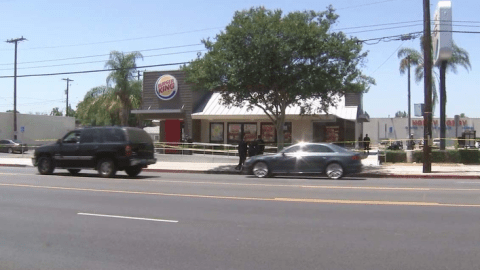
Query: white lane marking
point(125, 217)
point(468, 182)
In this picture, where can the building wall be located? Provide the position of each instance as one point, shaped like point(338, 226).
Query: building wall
point(39, 129)
point(397, 128)
point(302, 128)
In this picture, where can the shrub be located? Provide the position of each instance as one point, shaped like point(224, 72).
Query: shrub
point(396, 156)
point(469, 156)
point(447, 156)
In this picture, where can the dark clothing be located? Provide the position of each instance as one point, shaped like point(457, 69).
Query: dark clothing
point(260, 146)
point(253, 149)
point(366, 143)
point(242, 153)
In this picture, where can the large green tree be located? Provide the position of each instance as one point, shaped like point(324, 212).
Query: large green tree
point(273, 60)
point(459, 57)
point(124, 66)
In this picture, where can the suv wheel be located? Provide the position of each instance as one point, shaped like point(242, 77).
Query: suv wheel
point(73, 171)
point(106, 167)
point(45, 165)
point(133, 170)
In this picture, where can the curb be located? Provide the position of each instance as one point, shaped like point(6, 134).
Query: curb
point(192, 171)
point(369, 175)
point(422, 176)
point(14, 165)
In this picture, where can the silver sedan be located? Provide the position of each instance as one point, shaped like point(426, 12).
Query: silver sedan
point(306, 158)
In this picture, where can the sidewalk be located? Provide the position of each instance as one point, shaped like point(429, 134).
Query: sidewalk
point(226, 165)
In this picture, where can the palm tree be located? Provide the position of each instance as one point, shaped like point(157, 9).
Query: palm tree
point(123, 66)
point(459, 57)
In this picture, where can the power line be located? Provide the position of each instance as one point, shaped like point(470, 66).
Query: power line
point(375, 25)
point(388, 58)
point(101, 55)
point(367, 4)
point(387, 28)
point(119, 40)
point(89, 71)
point(101, 61)
point(407, 36)
point(31, 103)
point(404, 26)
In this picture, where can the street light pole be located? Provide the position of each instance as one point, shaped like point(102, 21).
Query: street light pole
point(68, 82)
point(15, 86)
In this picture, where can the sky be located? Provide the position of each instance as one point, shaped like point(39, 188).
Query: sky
point(77, 36)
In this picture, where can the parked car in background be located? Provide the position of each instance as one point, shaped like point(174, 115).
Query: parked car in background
point(306, 158)
point(395, 145)
point(106, 149)
point(12, 146)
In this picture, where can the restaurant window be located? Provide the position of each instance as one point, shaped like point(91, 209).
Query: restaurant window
point(216, 132)
point(235, 131)
point(269, 132)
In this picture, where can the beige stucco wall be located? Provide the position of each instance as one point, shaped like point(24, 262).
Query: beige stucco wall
point(39, 129)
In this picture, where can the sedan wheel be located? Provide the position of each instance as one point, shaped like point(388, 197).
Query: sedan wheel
point(260, 170)
point(106, 168)
point(334, 171)
point(10, 150)
point(45, 165)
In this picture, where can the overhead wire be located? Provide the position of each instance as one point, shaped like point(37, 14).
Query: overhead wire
point(101, 55)
point(118, 40)
point(103, 61)
point(90, 71)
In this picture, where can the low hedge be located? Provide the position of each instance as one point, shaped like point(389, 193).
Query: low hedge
point(448, 156)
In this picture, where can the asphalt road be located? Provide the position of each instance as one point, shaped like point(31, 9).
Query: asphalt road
point(200, 221)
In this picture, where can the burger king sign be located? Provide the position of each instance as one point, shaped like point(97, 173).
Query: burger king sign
point(166, 87)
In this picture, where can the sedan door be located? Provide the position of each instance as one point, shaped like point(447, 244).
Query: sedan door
point(314, 158)
point(286, 161)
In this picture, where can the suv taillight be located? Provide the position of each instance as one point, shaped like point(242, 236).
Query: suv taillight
point(355, 157)
point(128, 150)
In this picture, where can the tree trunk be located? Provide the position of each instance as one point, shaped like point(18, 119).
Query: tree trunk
point(280, 132)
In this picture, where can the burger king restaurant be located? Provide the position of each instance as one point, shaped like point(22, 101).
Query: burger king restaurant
point(199, 116)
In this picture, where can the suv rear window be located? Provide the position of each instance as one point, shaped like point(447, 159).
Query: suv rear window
point(138, 136)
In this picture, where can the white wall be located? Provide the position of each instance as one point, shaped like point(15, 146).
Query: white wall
point(39, 129)
point(397, 128)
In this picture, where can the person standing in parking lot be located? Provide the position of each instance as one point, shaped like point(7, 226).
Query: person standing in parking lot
point(260, 145)
point(366, 143)
point(242, 153)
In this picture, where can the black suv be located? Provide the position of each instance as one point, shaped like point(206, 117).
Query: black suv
point(106, 149)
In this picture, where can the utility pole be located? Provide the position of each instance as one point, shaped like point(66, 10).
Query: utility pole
point(427, 117)
point(68, 82)
point(409, 142)
point(15, 86)
point(138, 75)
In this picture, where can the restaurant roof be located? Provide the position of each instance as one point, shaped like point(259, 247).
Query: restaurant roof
point(214, 109)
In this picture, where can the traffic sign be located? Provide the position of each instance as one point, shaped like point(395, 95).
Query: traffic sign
point(22, 129)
